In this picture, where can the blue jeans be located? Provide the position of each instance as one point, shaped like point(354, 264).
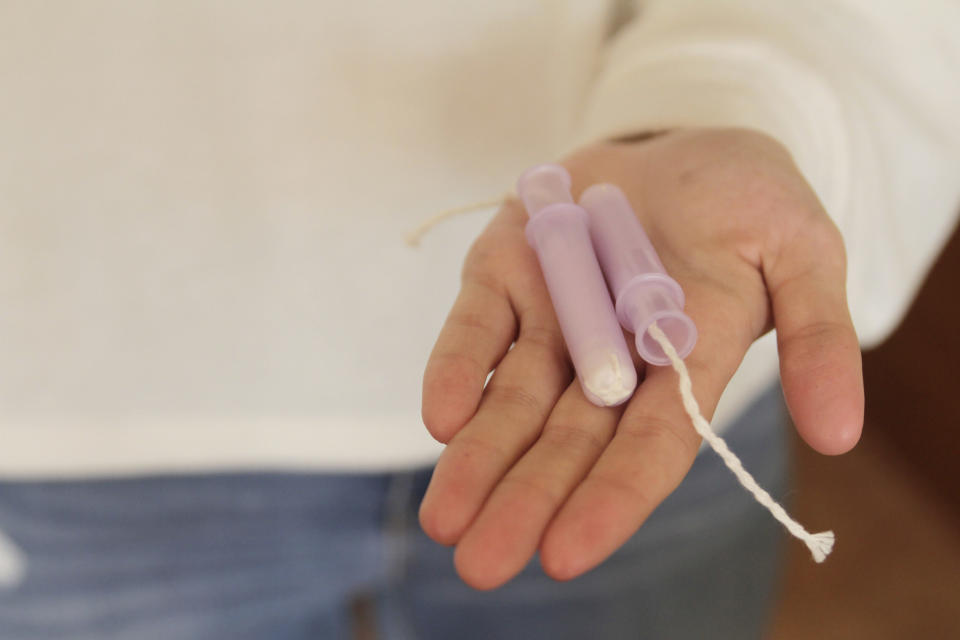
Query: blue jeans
point(283, 556)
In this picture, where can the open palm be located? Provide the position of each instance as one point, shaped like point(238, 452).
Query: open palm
point(531, 463)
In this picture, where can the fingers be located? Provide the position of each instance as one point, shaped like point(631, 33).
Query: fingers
point(652, 450)
point(501, 281)
point(506, 533)
point(513, 409)
point(820, 364)
point(479, 330)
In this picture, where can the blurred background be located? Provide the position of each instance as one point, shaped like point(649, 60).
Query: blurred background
point(894, 502)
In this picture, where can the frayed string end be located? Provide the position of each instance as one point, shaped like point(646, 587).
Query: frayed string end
point(820, 544)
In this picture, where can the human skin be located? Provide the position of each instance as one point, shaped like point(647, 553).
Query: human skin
point(530, 463)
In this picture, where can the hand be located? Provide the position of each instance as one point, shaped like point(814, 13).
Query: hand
point(530, 463)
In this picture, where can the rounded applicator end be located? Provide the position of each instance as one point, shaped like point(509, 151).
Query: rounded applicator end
point(610, 385)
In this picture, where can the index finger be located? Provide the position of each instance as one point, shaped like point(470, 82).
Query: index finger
point(652, 450)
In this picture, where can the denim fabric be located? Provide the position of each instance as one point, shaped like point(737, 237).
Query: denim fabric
point(282, 556)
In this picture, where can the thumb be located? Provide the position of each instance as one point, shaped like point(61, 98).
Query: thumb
point(820, 364)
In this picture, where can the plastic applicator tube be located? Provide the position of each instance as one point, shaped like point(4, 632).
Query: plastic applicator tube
point(643, 291)
point(559, 233)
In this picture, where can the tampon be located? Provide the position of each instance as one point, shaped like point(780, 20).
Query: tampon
point(643, 291)
point(558, 232)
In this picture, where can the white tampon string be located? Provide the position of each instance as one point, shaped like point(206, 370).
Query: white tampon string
point(413, 237)
point(820, 544)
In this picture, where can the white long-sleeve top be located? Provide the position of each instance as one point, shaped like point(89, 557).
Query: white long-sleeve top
point(203, 204)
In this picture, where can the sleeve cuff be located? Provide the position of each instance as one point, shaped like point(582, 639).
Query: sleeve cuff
point(728, 84)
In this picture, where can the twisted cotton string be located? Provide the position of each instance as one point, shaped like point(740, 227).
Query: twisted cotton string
point(413, 238)
point(820, 544)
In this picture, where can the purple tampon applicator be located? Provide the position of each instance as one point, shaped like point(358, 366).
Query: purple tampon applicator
point(650, 303)
point(643, 291)
point(559, 233)
point(569, 240)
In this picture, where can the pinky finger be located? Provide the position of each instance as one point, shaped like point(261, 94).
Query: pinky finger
point(478, 332)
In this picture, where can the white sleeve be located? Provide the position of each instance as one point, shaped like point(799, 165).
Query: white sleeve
point(864, 94)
